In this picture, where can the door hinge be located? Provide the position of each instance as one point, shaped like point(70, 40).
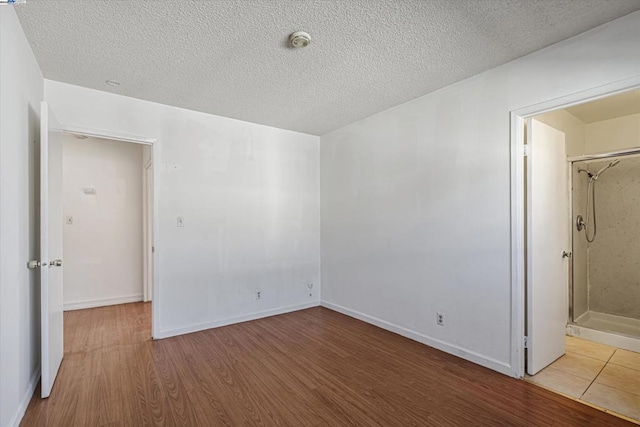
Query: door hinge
point(526, 342)
point(153, 249)
point(525, 150)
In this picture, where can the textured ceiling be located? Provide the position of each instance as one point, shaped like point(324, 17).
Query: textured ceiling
point(231, 58)
point(621, 105)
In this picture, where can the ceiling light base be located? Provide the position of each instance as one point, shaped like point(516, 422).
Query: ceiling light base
point(299, 39)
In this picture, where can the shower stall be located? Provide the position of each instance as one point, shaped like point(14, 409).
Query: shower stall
point(605, 277)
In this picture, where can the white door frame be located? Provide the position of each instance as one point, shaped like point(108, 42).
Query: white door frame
point(518, 228)
point(155, 158)
point(147, 222)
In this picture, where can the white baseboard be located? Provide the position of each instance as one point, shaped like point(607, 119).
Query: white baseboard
point(238, 319)
point(80, 305)
point(472, 356)
point(24, 403)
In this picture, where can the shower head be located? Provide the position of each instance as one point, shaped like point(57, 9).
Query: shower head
point(610, 165)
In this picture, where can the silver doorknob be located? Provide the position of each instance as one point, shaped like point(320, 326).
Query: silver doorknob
point(566, 254)
point(31, 265)
point(57, 263)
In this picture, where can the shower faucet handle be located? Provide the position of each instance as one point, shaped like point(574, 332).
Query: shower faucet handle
point(566, 254)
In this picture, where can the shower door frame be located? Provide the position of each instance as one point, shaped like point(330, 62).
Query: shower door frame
point(605, 155)
point(519, 208)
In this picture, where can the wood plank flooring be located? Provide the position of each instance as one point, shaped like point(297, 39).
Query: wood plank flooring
point(309, 368)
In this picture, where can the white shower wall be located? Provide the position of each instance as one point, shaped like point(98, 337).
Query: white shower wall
point(614, 257)
point(607, 272)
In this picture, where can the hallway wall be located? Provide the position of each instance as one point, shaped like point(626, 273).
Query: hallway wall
point(103, 245)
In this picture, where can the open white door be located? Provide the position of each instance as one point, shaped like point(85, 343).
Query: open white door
point(548, 238)
point(51, 218)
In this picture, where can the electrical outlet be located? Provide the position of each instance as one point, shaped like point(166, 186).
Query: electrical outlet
point(258, 295)
point(310, 286)
point(440, 319)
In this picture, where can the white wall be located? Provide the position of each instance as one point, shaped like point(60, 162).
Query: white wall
point(249, 195)
point(614, 134)
point(416, 199)
point(21, 91)
point(103, 246)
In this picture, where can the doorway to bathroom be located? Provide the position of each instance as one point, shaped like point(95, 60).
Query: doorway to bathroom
point(602, 148)
point(581, 250)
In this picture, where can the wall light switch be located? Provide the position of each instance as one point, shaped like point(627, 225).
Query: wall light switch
point(68, 220)
point(180, 221)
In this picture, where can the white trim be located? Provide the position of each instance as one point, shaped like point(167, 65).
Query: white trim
point(480, 359)
point(24, 403)
point(155, 159)
point(76, 130)
point(147, 235)
point(517, 245)
point(101, 302)
point(570, 231)
point(237, 319)
point(155, 291)
point(582, 97)
point(517, 201)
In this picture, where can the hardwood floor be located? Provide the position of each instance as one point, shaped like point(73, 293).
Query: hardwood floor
point(309, 368)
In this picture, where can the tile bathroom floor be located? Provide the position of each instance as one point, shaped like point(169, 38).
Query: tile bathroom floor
point(600, 375)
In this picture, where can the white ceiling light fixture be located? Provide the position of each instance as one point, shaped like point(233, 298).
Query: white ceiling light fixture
point(112, 82)
point(299, 39)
